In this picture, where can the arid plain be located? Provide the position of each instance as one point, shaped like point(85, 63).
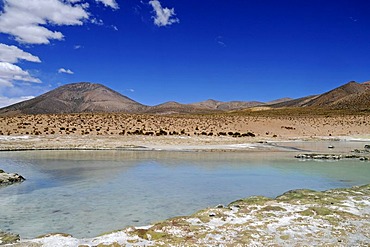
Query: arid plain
point(94, 130)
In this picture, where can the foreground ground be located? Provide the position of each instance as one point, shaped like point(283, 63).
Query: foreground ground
point(339, 217)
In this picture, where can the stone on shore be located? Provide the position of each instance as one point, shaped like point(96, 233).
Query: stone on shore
point(8, 238)
point(10, 178)
point(312, 156)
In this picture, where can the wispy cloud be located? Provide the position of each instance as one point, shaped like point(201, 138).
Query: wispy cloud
point(163, 16)
point(76, 47)
point(12, 54)
point(65, 71)
point(96, 21)
point(109, 3)
point(27, 20)
point(220, 40)
point(10, 73)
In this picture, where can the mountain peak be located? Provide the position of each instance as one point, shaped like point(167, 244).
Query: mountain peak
point(75, 98)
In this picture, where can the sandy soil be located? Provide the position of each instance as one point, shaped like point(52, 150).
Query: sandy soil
point(99, 131)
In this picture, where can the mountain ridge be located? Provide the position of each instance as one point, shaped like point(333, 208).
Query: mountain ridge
point(93, 97)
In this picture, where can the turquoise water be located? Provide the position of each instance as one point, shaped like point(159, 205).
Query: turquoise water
point(87, 193)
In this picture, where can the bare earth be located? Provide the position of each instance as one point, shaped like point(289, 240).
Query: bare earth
point(300, 218)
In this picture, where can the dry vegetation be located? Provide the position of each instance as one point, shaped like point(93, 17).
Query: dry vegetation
point(284, 123)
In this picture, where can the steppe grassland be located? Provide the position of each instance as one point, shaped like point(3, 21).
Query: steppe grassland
point(266, 124)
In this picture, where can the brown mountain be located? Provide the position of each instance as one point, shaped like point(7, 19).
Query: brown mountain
point(351, 95)
point(174, 108)
point(75, 98)
point(90, 97)
point(357, 101)
point(226, 106)
point(332, 97)
point(282, 100)
point(294, 102)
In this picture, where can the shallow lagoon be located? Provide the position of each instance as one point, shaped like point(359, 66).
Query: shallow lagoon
point(87, 193)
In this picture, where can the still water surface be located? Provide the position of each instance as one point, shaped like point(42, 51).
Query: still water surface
point(87, 193)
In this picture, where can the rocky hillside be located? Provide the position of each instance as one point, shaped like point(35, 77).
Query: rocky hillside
point(226, 106)
point(74, 98)
point(352, 95)
point(173, 107)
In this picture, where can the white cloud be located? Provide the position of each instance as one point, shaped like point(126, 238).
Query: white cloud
point(26, 20)
point(96, 21)
point(109, 3)
point(66, 71)
point(10, 73)
point(5, 101)
point(164, 16)
point(12, 54)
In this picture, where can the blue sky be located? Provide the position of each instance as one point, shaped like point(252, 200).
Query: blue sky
point(187, 51)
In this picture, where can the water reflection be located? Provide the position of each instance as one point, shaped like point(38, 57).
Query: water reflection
point(86, 193)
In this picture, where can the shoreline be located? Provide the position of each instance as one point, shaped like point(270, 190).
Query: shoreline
point(167, 143)
point(297, 217)
point(237, 223)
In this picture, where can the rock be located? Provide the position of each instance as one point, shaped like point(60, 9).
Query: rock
point(331, 157)
point(8, 238)
point(212, 214)
point(10, 178)
point(361, 151)
point(367, 146)
point(302, 156)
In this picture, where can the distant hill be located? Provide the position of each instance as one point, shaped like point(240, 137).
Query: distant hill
point(282, 100)
point(351, 95)
point(330, 98)
point(294, 102)
point(75, 98)
point(357, 101)
point(91, 97)
point(225, 106)
point(200, 107)
point(175, 107)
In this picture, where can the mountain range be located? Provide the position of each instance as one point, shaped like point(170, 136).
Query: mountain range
point(92, 97)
